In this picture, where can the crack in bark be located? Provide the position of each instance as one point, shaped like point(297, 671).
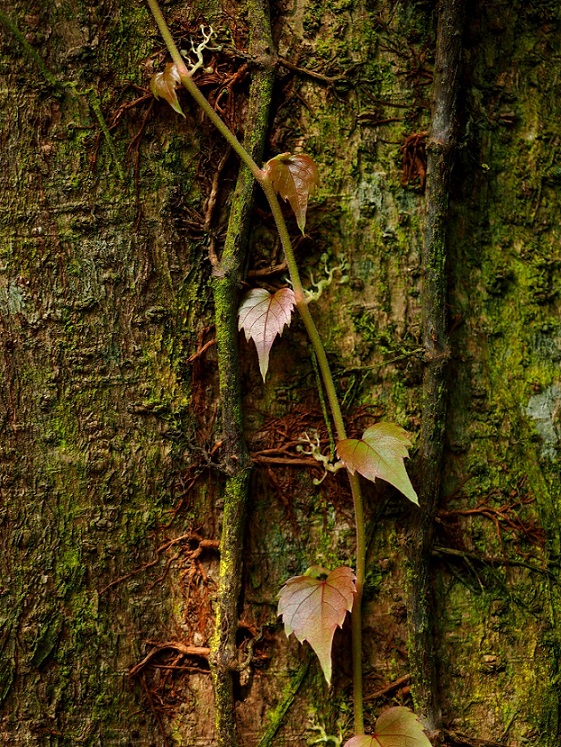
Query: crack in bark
point(440, 147)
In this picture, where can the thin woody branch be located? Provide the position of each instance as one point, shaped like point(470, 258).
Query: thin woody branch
point(440, 148)
point(228, 274)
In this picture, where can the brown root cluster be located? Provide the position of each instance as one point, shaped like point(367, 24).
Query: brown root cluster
point(519, 536)
point(224, 77)
point(414, 160)
point(278, 446)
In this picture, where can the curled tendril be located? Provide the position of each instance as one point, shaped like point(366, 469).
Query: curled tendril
point(199, 49)
point(315, 453)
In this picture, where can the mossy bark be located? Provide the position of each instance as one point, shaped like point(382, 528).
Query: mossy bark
point(229, 272)
point(109, 425)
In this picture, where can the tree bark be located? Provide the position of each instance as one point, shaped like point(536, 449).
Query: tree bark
point(112, 477)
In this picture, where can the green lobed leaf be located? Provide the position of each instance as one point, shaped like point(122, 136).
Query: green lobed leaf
point(262, 316)
point(163, 86)
point(312, 608)
point(396, 727)
point(294, 177)
point(380, 453)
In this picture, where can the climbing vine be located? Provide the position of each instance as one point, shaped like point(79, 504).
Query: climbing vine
point(315, 604)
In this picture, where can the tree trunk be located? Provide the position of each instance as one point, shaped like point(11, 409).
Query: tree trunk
point(113, 462)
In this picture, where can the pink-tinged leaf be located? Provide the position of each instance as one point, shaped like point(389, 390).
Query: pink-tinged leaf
point(380, 453)
point(262, 316)
point(163, 86)
point(294, 178)
point(396, 727)
point(312, 609)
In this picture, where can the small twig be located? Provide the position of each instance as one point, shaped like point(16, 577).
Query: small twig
point(201, 652)
point(210, 205)
point(379, 366)
point(491, 560)
point(383, 102)
point(287, 462)
point(371, 121)
point(389, 688)
point(203, 544)
point(201, 351)
point(328, 80)
point(439, 148)
point(281, 267)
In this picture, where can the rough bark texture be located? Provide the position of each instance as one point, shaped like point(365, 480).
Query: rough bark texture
point(109, 426)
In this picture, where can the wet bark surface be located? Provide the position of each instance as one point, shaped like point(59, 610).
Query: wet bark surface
point(112, 470)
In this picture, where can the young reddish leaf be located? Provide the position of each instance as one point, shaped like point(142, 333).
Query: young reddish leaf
point(313, 608)
point(294, 178)
point(262, 316)
point(163, 86)
point(380, 453)
point(396, 727)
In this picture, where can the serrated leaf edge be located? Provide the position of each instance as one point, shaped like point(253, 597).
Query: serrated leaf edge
point(325, 666)
point(298, 209)
point(411, 493)
point(264, 349)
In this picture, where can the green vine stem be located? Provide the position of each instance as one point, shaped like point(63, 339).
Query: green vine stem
point(323, 364)
point(193, 89)
point(440, 149)
point(319, 350)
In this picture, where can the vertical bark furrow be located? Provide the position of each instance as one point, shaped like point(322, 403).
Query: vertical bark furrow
point(429, 460)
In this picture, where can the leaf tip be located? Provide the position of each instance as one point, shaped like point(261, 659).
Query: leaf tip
point(263, 316)
point(295, 178)
point(163, 84)
point(263, 366)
